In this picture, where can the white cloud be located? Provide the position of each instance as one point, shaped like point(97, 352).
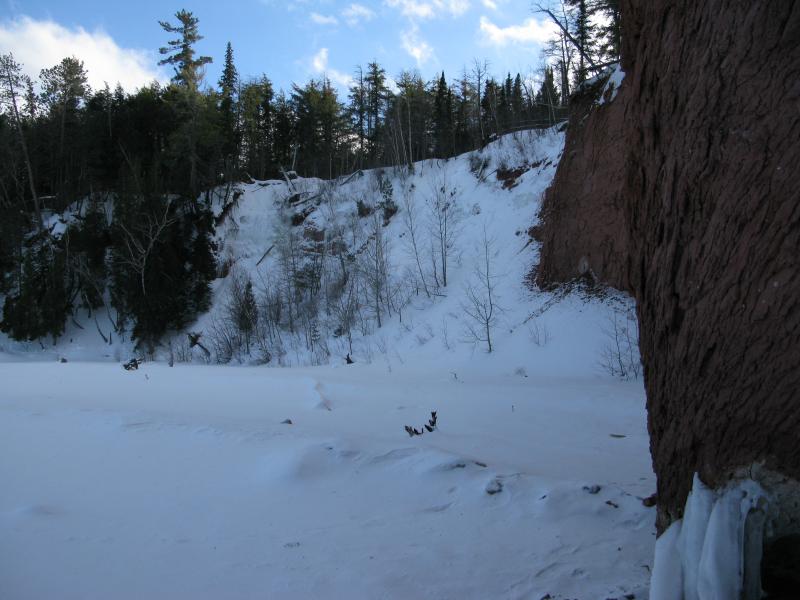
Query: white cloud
point(319, 64)
point(324, 19)
point(490, 4)
point(430, 8)
point(412, 8)
point(416, 46)
point(531, 31)
point(43, 44)
point(320, 61)
point(457, 7)
point(356, 13)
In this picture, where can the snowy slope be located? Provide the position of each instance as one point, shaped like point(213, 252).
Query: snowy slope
point(184, 482)
point(432, 329)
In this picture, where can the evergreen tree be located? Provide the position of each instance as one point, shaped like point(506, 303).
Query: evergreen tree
point(64, 87)
point(583, 32)
point(228, 84)
point(376, 104)
point(185, 99)
point(258, 128)
point(318, 127)
point(410, 115)
point(443, 119)
point(489, 107)
point(40, 305)
point(181, 50)
point(99, 147)
point(12, 82)
point(88, 241)
point(462, 123)
point(358, 111)
point(517, 102)
point(505, 109)
point(608, 29)
point(284, 146)
point(547, 97)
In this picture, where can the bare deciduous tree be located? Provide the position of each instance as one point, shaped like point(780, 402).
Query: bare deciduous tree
point(480, 71)
point(480, 298)
point(620, 357)
point(445, 216)
point(375, 266)
point(141, 239)
point(411, 224)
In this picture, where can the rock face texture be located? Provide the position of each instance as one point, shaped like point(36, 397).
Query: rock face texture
point(699, 216)
point(586, 232)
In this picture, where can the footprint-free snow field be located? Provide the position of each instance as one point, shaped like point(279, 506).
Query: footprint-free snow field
point(189, 482)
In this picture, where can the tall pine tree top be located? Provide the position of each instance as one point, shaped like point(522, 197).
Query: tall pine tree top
point(229, 77)
point(181, 51)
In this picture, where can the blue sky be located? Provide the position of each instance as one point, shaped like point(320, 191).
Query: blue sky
point(288, 40)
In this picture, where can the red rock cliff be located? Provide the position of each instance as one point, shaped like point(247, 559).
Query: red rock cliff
point(584, 230)
point(693, 204)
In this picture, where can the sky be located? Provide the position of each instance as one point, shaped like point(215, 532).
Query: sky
point(288, 40)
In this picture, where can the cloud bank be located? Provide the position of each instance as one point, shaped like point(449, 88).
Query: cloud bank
point(529, 32)
point(43, 44)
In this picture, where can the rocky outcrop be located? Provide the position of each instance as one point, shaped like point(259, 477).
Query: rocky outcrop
point(705, 221)
point(584, 231)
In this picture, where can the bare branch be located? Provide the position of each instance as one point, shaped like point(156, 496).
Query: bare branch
point(565, 31)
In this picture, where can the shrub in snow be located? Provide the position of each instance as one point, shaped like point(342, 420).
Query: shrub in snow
point(620, 357)
point(364, 209)
point(478, 164)
point(429, 426)
point(132, 364)
point(539, 334)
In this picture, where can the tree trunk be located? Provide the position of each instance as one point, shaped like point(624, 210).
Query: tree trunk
point(26, 157)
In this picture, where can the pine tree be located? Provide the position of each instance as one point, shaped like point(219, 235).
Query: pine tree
point(443, 119)
point(376, 103)
point(64, 87)
point(185, 96)
point(41, 303)
point(358, 111)
point(258, 128)
point(410, 113)
point(583, 32)
point(228, 84)
point(490, 106)
point(318, 127)
point(517, 101)
point(462, 117)
point(608, 31)
point(547, 97)
point(181, 50)
point(505, 104)
point(12, 82)
point(283, 148)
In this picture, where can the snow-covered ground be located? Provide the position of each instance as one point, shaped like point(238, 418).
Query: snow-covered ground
point(185, 482)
